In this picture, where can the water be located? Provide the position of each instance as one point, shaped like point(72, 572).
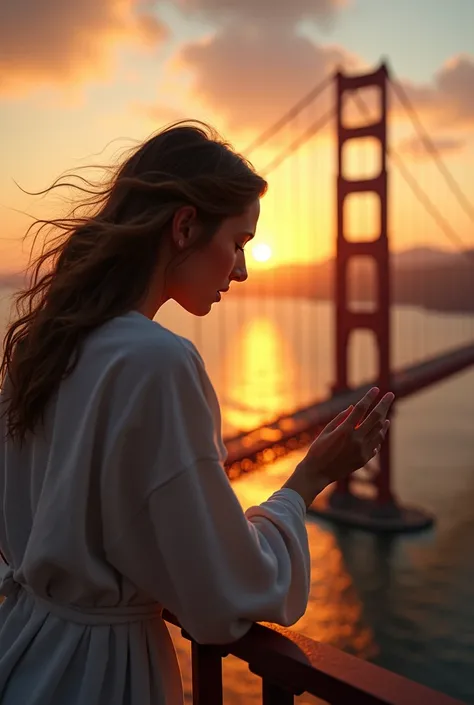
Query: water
point(404, 602)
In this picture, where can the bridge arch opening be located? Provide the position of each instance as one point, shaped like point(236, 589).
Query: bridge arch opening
point(361, 158)
point(362, 216)
point(362, 357)
point(361, 107)
point(362, 285)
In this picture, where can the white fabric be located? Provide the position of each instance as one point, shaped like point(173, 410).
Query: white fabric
point(121, 507)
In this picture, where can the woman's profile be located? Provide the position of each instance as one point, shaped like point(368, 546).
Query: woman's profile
point(114, 499)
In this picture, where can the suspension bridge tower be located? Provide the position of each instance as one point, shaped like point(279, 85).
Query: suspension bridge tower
point(375, 507)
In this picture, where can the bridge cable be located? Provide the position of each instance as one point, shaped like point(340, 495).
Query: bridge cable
point(429, 209)
point(290, 115)
point(429, 145)
point(428, 204)
point(299, 142)
point(443, 224)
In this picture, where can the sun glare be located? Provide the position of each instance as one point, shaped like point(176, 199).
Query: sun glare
point(261, 252)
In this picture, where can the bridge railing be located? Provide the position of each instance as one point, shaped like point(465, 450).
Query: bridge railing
point(291, 664)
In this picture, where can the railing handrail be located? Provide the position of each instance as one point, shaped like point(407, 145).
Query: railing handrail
point(298, 664)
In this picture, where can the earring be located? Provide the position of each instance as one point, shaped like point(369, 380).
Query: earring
point(180, 243)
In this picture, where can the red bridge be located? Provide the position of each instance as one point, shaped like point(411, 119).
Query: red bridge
point(288, 663)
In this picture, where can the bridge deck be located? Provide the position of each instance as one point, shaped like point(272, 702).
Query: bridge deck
point(306, 420)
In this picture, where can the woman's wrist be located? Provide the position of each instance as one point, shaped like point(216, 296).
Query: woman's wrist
point(307, 482)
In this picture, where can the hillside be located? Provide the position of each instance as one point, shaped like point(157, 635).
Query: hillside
point(430, 278)
point(425, 277)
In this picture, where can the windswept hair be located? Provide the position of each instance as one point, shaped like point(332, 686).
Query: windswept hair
point(98, 262)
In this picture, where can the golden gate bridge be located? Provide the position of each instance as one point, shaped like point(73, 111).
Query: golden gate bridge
point(367, 499)
point(288, 663)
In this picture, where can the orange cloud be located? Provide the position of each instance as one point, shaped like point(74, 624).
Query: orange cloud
point(256, 63)
point(449, 99)
point(250, 74)
point(269, 11)
point(56, 41)
point(455, 82)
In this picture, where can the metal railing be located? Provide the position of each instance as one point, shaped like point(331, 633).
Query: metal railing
point(291, 664)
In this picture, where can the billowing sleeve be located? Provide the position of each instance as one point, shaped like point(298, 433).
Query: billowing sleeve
point(188, 544)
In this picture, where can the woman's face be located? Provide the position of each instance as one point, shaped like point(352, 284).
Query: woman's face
point(197, 281)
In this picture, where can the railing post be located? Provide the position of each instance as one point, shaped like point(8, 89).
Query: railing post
point(275, 695)
point(207, 674)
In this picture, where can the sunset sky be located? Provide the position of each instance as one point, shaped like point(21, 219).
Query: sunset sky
point(74, 77)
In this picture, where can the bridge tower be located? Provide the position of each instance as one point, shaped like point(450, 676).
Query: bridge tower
point(377, 320)
point(380, 511)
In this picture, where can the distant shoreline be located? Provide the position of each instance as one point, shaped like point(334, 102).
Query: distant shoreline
point(431, 279)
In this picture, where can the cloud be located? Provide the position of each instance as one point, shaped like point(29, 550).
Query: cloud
point(270, 11)
point(415, 147)
point(256, 62)
point(449, 99)
point(455, 82)
point(250, 75)
point(45, 41)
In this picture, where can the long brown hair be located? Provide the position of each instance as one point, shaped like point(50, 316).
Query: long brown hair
point(97, 263)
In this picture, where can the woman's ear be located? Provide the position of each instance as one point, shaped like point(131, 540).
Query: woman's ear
point(184, 227)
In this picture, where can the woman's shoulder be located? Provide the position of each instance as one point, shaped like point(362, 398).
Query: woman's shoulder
point(137, 341)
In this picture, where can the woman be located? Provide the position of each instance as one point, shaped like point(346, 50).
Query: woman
point(115, 503)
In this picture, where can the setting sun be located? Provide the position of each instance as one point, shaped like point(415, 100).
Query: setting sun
point(261, 252)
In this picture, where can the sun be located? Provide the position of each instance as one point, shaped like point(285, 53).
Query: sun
point(261, 252)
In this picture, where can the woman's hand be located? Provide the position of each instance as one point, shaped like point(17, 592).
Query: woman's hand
point(349, 441)
point(346, 444)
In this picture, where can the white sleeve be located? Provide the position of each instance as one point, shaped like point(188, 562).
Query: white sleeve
point(193, 549)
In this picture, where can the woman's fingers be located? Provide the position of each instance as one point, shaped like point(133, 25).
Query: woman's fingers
point(362, 407)
point(332, 425)
point(366, 432)
point(356, 419)
point(377, 416)
point(375, 439)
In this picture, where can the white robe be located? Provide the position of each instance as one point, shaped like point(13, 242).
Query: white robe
point(121, 507)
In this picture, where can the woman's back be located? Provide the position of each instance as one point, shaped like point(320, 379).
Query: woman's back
point(56, 486)
point(112, 512)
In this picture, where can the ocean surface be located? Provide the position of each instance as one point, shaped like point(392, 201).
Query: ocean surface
point(404, 602)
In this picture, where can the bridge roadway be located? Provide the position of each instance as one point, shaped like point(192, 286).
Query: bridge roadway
point(293, 430)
